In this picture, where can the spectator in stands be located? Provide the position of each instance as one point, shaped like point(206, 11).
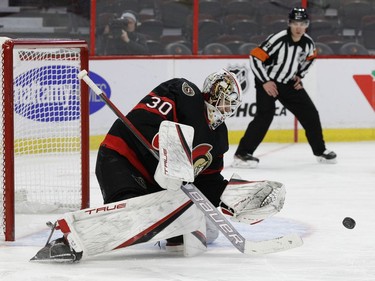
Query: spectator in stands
point(122, 37)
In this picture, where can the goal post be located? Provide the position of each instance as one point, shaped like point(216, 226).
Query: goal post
point(44, 112)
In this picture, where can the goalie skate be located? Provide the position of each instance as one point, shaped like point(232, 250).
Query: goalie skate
point(57, 251)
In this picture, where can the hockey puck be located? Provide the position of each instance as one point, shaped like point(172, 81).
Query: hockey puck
point(348, 223)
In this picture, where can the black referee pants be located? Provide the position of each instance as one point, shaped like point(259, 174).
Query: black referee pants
point(296, 101)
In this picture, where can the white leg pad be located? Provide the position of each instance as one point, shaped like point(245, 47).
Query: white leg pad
point(148, 218)
point(195, 243)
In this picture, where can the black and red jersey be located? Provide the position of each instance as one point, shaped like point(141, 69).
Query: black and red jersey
point(177, 100)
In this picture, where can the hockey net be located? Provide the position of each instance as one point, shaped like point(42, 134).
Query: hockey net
point(44, 122)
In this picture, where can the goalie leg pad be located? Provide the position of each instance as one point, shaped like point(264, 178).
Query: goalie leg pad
point(190, 243)
point(147, 218)
point(252, 201)
point(195, 242)
point(212, 232)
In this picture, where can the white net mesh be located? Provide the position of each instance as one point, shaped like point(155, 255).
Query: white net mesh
point(47, 129)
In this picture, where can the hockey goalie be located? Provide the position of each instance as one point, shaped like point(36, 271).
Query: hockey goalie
point(143, 200)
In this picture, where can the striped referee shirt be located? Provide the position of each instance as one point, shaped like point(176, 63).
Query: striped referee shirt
point(280, 59)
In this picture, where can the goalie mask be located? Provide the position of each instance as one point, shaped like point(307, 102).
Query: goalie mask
point(223, 95)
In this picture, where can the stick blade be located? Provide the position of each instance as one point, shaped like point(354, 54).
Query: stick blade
point(279, 244)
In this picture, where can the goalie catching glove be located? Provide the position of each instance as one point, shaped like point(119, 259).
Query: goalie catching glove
point(252, 201)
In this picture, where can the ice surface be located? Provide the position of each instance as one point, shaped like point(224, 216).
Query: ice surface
point(318, 198)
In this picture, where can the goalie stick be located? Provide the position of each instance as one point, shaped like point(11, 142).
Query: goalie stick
point(197, 197)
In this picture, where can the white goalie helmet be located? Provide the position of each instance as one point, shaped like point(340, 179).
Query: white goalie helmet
point(223, 95)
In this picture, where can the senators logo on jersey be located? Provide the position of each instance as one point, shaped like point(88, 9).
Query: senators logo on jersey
point(202, 157)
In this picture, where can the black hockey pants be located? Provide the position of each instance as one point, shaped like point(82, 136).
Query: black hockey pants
point(296, 101)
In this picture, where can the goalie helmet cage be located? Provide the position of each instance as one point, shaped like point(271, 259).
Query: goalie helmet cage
point(45, 128)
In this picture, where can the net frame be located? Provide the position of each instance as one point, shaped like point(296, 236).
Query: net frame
point(8, 140)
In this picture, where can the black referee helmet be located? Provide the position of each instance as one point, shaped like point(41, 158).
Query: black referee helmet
point(298, 14)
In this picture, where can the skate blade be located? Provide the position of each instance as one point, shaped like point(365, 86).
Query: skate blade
point(244, 165)
point(322, 160)
point(38, 260)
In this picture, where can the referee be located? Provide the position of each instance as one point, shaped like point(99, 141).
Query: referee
point(279, 64)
